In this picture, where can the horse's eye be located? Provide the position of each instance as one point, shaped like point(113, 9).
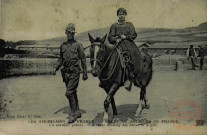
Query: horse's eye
point(92, 48)
point(101, 49)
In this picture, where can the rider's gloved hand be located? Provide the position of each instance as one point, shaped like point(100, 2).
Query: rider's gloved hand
point(118, 40)
point(123, 37)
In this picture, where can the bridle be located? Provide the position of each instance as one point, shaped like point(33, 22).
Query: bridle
point(125, 55)
point(103, 65)
point(95, 59)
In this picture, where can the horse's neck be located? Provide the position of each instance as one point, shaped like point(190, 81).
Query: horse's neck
point(108, 52)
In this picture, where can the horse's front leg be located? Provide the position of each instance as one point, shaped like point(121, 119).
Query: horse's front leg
point(108, 100)
point(141, 101)
point(147, 105)
point(113, 105)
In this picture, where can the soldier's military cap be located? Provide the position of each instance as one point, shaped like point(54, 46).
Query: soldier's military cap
point(71, 28)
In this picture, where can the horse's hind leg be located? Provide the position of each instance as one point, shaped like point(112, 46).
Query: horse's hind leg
point(141, 101)
point(147, 106)
point(108, 100)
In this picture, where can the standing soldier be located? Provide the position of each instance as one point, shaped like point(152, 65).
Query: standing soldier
point(191, 53)
point(71, 54)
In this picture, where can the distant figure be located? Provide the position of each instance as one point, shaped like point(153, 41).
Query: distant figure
point(191, 53)
point(71, 54)
point(202, 53)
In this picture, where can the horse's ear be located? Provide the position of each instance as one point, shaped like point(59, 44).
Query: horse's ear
point(103, 39)
point(91, 38)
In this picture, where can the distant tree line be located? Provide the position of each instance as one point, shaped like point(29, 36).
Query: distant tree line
point(8, 47)
point(11, 44)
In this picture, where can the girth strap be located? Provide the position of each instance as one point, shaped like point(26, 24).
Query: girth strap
point(123, 65)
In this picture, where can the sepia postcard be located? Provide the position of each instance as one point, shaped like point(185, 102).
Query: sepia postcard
point(111, 67)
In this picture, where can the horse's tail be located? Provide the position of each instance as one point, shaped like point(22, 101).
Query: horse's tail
point(150, 72)
point(146, 74)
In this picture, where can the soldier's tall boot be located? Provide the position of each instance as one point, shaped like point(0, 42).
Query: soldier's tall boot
point(78, 113)
point(72, 103)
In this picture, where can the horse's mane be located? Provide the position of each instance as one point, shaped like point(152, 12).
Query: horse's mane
point(108, 49)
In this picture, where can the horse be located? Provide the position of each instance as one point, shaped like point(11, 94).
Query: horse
point(202, 53)
point(109, 73)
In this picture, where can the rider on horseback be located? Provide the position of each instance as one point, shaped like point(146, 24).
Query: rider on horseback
point(122, 34)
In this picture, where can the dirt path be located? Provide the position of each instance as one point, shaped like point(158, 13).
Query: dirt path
point(44, 95)
point(42, 98)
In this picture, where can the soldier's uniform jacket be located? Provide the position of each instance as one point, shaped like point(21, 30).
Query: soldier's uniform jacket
point(71, 53)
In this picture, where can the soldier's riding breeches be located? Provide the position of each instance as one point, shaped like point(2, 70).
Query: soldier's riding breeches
point(71, 82)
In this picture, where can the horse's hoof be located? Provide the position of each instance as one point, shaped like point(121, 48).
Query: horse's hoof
point(147, 106)
point(143, 106)
point(115, 114)
point(105, 122)
point(110, 121)
point(138, 113)
point(105, 117)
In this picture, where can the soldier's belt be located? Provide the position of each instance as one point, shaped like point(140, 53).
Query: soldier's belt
point(66, 71)
point(70, 70)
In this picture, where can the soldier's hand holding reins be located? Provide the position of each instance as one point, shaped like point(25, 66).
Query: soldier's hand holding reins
point(54, 71)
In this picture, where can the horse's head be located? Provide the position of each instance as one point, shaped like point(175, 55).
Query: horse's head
point(97, 54)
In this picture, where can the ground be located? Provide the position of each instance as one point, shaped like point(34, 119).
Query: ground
point(44, 96)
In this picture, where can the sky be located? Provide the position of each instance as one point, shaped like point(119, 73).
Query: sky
point(42, 19)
